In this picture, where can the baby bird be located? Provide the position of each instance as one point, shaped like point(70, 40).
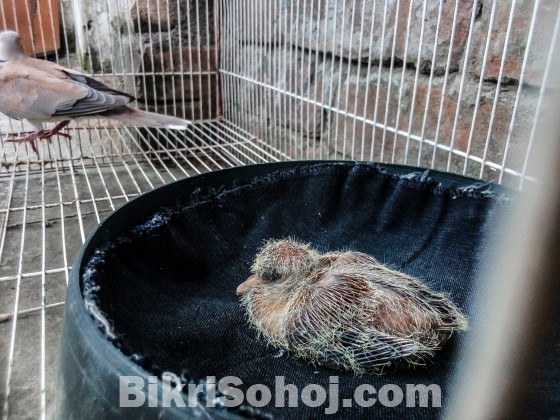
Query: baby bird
point(344, 310)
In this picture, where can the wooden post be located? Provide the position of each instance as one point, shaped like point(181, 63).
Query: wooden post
point(37, 22)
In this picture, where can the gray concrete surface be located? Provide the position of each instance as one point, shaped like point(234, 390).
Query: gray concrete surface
point(69, 196)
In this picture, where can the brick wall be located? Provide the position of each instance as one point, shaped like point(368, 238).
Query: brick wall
point(179, 40)
point(321, 50)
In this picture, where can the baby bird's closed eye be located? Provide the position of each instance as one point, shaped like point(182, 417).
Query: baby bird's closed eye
point(344, 309)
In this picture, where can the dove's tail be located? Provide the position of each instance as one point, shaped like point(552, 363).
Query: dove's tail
point(148, 119)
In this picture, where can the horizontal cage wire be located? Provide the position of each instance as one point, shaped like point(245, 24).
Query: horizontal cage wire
point(451, 85)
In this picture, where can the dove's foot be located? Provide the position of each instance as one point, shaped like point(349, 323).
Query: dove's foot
point(31, 136)
point(47, 134)
point(27, 137)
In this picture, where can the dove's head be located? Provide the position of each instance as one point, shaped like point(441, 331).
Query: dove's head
point(281, 262)
point(11, 47)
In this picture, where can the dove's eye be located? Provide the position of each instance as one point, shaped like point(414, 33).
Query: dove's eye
point(270, 275)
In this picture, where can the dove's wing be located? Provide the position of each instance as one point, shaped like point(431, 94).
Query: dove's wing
point(40, 90)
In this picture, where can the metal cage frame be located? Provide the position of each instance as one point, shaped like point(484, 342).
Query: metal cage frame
point(263, 82)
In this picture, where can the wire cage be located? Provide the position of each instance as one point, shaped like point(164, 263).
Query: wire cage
point(451, 85)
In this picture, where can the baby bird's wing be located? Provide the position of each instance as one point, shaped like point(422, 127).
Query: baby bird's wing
point(333, 328)
point(375, 348)
point(442, 312)
point(357, 351)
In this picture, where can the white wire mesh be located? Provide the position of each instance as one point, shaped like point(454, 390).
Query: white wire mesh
point(378, 80)
point(451, 85)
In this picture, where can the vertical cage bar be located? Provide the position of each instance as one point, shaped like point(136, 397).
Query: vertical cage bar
point(498, 88)
point(13, 335)
point(480, 85)
point(462, 84)
point(379, 72)
point(403, 75)
point(542, 94)
point(368, 82)
point(430, 85)
point(445, 81)
point(415, 86)
point(524, 66)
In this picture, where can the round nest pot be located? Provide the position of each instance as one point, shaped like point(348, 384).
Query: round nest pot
point(153, 290)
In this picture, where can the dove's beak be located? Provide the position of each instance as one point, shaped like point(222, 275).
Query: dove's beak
point(248, 284)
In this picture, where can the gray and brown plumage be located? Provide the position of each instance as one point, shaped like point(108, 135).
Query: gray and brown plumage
point(344, 309)
point(42, 91)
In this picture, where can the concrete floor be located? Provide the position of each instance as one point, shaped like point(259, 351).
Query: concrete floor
point(41, 235)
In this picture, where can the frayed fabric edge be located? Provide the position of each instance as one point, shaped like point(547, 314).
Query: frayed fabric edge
point(415, 179)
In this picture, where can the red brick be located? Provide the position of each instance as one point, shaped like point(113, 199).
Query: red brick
point(256, 22)
point(426, 43)
point(356, 138)
point(500, 127)
point(180, 59)
point(354, 130)
point(542, 37)
point(194, 19)
point(164, 88)
point(146, 15)
point(311, 27)
point(289, 70)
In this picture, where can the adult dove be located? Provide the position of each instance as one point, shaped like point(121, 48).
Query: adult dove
point(42, 91)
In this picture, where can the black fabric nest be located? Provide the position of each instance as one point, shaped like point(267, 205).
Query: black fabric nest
point(167, 286)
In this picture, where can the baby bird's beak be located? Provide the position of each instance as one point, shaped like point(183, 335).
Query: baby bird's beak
point(248, 284)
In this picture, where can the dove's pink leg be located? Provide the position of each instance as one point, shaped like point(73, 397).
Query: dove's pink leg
point(47, 134)
point(30, 137)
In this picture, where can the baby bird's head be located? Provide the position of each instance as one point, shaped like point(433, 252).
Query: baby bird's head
point(280, 262)
point(280, 270)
